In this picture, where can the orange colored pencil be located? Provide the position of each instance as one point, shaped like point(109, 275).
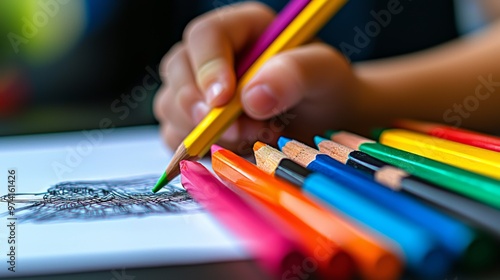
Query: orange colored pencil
point(373, 254)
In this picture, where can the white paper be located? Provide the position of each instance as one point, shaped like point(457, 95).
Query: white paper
point(42, 161)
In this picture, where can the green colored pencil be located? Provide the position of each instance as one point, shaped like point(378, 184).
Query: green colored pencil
point(470, 184)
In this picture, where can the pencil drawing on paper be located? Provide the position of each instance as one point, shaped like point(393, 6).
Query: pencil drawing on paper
point(91, 200)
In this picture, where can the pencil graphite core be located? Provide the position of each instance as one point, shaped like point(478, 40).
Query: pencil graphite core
point(163, 181)
point(258, 145)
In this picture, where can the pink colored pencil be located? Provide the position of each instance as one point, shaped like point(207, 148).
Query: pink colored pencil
point(289, 12)
point(271, 245)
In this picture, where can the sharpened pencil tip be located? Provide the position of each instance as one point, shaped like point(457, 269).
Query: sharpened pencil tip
point(330, 133)
point(258, 145)
point(319, 139)
point(161, 183)
point(283, 141)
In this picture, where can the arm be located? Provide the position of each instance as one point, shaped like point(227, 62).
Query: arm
point(457, 83)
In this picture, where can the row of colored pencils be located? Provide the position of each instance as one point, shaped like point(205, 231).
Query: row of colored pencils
point(354, 207)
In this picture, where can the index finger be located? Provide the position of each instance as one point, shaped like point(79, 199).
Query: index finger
point(214, 40)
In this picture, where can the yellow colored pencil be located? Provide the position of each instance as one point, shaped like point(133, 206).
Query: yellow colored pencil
point(305, 25)
point(467, 157)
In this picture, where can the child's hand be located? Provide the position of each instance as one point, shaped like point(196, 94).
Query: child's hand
point(314, 84)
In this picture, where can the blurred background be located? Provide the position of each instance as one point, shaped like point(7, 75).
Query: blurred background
point(66, 65)
point(69, 64)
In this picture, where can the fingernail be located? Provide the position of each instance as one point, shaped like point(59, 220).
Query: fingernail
point(214, 92)
point(260, 99)
point(199, 111)
point(231, 134)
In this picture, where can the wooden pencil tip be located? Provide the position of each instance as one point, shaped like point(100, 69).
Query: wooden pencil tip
point(282, 141)
point(268, 158)
point(258, 145)
point(173, 169)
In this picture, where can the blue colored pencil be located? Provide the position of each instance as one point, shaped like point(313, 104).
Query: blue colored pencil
point(419, 249)
point(423, 253)
point(455, 236)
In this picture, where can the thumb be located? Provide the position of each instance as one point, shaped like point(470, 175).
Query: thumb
point(310, 72)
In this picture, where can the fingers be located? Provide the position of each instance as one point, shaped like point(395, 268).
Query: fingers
point(199, 74)
point(309, 75)
point(176, 117)
point(160, 104)
point(212, 42)
point(291, 78)
point(179, 104)
point(200, 70)
point(179, 92)
point(171, 136)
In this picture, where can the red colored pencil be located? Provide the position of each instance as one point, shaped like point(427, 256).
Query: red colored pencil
point(459, 135)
